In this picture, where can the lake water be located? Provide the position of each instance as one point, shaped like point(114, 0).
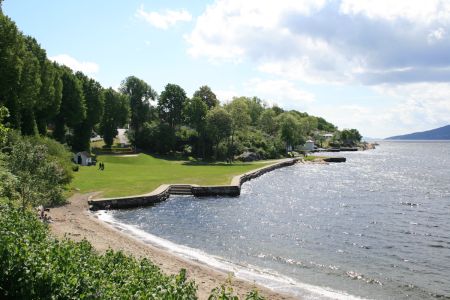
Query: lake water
point(377, 226)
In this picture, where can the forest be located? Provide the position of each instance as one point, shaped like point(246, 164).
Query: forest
point(48, 99)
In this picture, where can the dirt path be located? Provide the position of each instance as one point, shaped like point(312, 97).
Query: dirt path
point(76, 222)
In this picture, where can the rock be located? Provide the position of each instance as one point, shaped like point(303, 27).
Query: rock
point(248, 156)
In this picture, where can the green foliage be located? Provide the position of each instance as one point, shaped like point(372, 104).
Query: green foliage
point(350, 137)
point(4, 113)
point(139, 94)
point(207, 96)
point(219, 126)
point(290, 129)
point(33, 265)
point(95, 102)
point(36, 171)
point(225, 292)
point(73, 107)
point(116, 112)
point(171, 103)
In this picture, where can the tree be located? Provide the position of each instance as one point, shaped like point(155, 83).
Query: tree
point(267, 121)
point(73, 108)
point(49, 100)
point(195, 115)
point(29, 88)
point(94, 100)
point(206, 94)
point(38, 172)
point(139, 94)
point(218, 122)
point(290, 130)
point(171, 103)
point(240, 119)
point(116, 114)
point(350, 137)
point(4, 113)
point(11, 63)
point(255, 109)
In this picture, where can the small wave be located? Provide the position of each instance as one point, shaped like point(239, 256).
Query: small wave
point(357, 276)
point(410, 203)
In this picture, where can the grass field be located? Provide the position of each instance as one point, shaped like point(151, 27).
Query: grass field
point(133, 175)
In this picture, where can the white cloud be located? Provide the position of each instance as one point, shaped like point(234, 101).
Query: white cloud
point(165, 19)
point(226, 95)
point(282, 92)
point(436, 35)
point(412, 10)
point(342, 41)
point(83, 66)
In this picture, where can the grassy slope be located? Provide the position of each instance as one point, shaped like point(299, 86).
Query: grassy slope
point(124, 176)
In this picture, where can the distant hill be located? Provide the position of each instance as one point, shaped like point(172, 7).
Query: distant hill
point(442, 133)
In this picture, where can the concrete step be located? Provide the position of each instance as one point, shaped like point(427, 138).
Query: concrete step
point(180, 190)
point(181, 193)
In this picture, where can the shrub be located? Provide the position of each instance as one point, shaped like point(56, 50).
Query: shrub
point(33, 265)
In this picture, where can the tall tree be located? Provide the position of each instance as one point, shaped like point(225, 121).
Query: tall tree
point(116, 113)
point(267, 121)
point(73, 108)
point(94, 99)
point(12, 65)
point(139, 94)
point(240, 119)
point(290, 130)
point(195, 114)
point(49, 98)
point(171, 103)
point(206, 94)
point(219, 124)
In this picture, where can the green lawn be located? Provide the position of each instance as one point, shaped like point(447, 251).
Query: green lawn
point(124, 176)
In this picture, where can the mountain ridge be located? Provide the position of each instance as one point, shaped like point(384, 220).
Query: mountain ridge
point(441, 133)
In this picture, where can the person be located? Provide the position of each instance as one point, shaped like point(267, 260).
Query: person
point(100, 166)
point(103, 166)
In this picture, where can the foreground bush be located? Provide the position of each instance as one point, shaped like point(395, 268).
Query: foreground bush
point(33, 265)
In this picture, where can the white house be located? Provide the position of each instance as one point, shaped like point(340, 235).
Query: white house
point(328, 136)
point(309, 145)
point(83, 158)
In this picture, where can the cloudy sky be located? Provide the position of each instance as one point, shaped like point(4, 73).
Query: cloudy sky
point(380, 66)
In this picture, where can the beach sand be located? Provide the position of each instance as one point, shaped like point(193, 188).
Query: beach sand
point(74, 221)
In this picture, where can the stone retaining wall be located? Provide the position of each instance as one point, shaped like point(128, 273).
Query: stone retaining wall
point(163, 191)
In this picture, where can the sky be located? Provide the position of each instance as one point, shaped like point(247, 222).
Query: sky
point(382, 66)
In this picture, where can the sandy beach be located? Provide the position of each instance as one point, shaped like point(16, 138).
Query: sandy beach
point(75, 221)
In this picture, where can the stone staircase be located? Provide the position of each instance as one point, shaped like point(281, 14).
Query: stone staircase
point(180, 189)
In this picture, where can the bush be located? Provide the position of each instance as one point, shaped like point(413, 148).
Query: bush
point(33, 265)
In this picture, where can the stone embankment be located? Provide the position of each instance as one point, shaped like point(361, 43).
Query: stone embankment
point(165, 190)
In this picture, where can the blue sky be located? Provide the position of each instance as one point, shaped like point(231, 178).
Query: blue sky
point(380, 66)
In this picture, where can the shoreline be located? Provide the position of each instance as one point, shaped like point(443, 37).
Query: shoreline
point(76, 222)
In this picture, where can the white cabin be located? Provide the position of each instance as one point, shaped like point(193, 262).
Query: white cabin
point(83, 158)
point(309, 145)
